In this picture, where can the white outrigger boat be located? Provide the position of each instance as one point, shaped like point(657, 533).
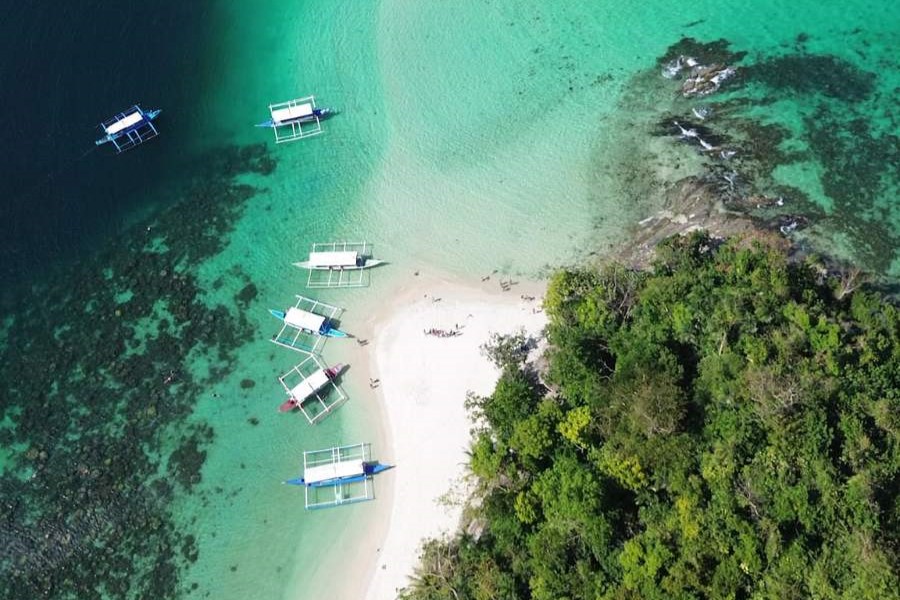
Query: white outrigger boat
point(312, 388)
point(296, 119)
point(307, 324)
point(131, 127)
point(338, 264)
point(339, 475)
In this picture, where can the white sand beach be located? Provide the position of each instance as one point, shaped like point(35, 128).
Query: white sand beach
point(423, 381)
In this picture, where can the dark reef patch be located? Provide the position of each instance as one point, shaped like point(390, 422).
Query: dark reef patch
point(717, 51)
point(247, 295)
point(819, 115)
point(855, 158)
point(186, 461)
point(189, 549)
point(94, 400)
point(812, 73)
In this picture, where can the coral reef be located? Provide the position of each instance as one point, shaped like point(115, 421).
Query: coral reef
point(743, 147)
point(92, 398)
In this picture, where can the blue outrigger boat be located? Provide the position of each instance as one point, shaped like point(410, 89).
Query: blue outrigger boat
point(307, 321)
point(307, 325)
point(368, 470)
point(296, 119)
point(316, 114)
point(339, 475)
point(129, 128)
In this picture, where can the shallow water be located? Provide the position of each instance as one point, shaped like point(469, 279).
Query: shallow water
point(472, 137)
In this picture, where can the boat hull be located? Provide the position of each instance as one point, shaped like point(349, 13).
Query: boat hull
point(368, 264)
point(288, 405)
point(318, 114)
point(331, 372)
point(326, 331)
point(370, 470)
point(335, 371)
point(148, 116)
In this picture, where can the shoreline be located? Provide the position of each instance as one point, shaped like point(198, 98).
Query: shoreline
point(423, 381)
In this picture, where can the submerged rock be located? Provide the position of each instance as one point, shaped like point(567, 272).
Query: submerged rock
point(705, 80)
point(673, 68)
point(247, 294)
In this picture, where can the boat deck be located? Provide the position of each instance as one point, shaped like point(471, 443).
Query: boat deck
point(340, 461)
point(128, 129)
point(334, 471)
point(338, 265)
point(300, 330)
point(294, 109)
point(315, 394)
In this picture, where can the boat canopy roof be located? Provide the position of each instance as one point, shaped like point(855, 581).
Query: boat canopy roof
point(333, 259)
point(301, 319)
point(335, 470)
point(310, 385)
point(292, 112)
point(122, 124)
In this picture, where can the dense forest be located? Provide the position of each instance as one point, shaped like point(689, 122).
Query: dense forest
point(723, 425)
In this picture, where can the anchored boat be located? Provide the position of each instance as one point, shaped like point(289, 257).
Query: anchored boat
point(306, 325)
point(295, 119)
point(338, 475)
point(129, 128)
point(310, 386)
point(308, 321)
point(338, 264)
point(302, 114)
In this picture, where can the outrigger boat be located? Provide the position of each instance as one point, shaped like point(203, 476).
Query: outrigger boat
point(312, 388)
point(307, 321)
point(129, 128)
point(307, 325)
point(314, 384)
point(301, 114)
point(337, 261)
point(343, 264)
point(295, 119)
point(338, 475)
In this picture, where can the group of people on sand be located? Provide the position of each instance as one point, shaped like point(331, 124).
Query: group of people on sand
point(443, 333)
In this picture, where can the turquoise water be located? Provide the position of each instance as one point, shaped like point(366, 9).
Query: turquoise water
point(473, 136)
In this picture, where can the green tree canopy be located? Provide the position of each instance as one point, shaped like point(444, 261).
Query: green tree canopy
point(723, 426)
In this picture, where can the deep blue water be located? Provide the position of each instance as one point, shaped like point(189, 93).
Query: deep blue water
point(64, 67)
